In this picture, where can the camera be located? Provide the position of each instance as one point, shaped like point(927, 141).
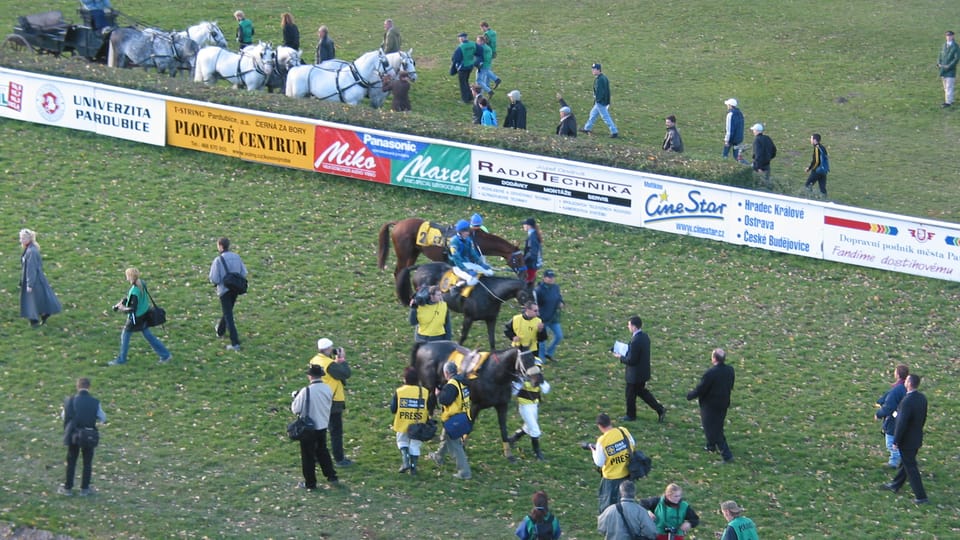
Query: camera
point(116, 308)
point(586, 446)
point(422, 297)
point(338, 351)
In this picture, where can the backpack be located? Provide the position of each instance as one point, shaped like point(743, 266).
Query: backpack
point(824, 167)
point(233, 281)
point(543, 530)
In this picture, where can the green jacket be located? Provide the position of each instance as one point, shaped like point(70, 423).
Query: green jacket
point(947, 61)
point(492, 40)
point(487, 56)
point(601, 90)
point(245, 32)
point(468, 51)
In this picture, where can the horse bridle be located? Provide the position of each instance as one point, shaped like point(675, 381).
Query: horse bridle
point(357, 77)
point(257, 64)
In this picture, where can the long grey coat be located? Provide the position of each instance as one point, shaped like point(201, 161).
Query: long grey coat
point(40, 300)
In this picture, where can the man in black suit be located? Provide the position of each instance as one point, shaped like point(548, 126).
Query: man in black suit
point(713, 395)
point(908, 438)
point(637, 373)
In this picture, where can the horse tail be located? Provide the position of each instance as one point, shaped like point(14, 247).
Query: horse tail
point(384, 244)
point(413, 354)
point(404, 287)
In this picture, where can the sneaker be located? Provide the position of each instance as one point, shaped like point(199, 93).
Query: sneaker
point(628, 418)
point(345, 462)
point(459, 476)
point(65, 491)
point(88, 492)
point(921, 501)
point(587, 131)
point(301, 485)
point(219, 330)
point(945, 105)
point(34, 323)
point(115, 362)
point(165, 360)
point(490, 94)
point(661, 415)
point(614, 135)
point(435, 457)
point(233, 347)
point(496, 84)
point(890, 486)
point(44, 317)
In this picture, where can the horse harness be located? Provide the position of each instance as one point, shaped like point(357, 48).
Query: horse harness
point(358, 79)
point(257, 63)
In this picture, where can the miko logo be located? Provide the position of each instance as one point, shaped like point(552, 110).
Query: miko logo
point(922, 235)
point(50, 103)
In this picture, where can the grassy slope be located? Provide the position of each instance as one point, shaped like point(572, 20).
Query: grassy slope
point(195, 449)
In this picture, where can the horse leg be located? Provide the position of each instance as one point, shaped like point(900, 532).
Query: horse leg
point(490, 330)
point(502, 419)
point(465, 329)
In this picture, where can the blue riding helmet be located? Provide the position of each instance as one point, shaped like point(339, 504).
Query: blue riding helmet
point(463, 225)
point(476, 220)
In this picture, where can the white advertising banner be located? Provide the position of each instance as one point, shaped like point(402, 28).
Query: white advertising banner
point(40, 99)
point(685, 207)
point(776, 223)
point(563, 187)
point(892, 242)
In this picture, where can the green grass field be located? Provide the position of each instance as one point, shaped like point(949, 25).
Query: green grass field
point(196, 448)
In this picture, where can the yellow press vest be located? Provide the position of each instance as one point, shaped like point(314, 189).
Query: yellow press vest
point(431, 319)
point(411, 407)
point(617, 449)
point(529, 394)
point(526, 331)
point(337, 386)
point(459, 405)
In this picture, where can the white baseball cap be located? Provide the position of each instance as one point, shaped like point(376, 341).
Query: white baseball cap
point(732, 102)
point(757, 127)
point(324, 343)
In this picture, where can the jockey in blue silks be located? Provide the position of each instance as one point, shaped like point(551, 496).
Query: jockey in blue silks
point(467, 262)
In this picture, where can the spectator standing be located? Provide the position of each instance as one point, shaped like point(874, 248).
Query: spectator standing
point(313, 444)
point(540, 523)
point(819, 167)
point(908, 438)
point(611, 454)
point(528, 405)
point(947, 63)
point(391, 38)
point(409, 406)
point(733, 129)
point(488, 116)
point(400, 88)
point(336, 372)
point(888, 404)
point(550, 300)
point(763, 152)
point(430, 316)
point(245, 29)
point(601, 103)
point(626, 520)
point(671, 140)
point(476, 95)
point(325, 47)
point(516, 112)
point(739, 527)
point(37, 299)
point(291, 34)
point(225, 263)
point(568, 123)
point(81, 411)
point(454, 398)
point(713, 396)
point(135, 305)
point(484, 59)
point(532, 250)
point(491, 36)
point(525, 330)
point(461, 64)
point(637, 373)
point(670, 511)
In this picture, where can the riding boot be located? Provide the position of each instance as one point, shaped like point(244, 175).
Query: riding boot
point(515, 437)
point(405, 465)
point(413, 465)
point(535, 442)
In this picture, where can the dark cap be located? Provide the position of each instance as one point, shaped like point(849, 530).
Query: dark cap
point(530, 221)
point(315, 370)
point(596, 66)
point(549, 273)
point(462, 34)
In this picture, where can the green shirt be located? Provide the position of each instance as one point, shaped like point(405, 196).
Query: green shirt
point(245, 32)
point(744, 528)
point(948, 59)
point(492, 40)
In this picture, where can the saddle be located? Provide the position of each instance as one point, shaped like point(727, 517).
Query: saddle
point(449, 280)
point(468, 361)
point(432, 234)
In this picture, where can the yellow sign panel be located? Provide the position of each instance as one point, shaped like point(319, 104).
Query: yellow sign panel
point(246, 136)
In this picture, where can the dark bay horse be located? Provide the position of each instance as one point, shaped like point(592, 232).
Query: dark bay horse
point(483, 304)
point(490, 388)
point(404, 237)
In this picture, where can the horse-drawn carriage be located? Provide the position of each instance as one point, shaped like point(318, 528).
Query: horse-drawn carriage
point(50, 33)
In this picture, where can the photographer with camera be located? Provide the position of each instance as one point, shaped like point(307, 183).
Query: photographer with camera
point(626, 520)
point(336, 372)
point(430, 316)
point(673, 516)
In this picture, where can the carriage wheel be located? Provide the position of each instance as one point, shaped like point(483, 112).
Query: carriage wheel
point(17, 43)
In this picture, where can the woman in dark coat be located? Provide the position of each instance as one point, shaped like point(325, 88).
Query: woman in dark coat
point(291, 34)
point(37, 300)
point(400, 87)
point(516, 112)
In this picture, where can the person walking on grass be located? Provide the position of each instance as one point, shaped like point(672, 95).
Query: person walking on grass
point(763, 152)
point(818, 168)
point(739, 527)
point(491, 36)
point(136, 305)
point(713, 396)
point(637, 372)
point(37, 299)
point(227, 262)
point(80, 412)
point(908, 438)
point(313, 444)
point(409, 405)
point(611, 455)
point(462, 61)
point(733, 130)
point(601, 103)
point(516, 112)
point(888, 404)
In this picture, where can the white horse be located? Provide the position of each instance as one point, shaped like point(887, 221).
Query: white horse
point(399, 61)
point(287, 59)
point(339, 80)
point(251, 68)
point(205, 33)
point(166, 51)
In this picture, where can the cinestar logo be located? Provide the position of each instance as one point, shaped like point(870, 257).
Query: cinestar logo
point(922, 235)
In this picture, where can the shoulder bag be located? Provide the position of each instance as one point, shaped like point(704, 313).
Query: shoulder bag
point(633, 535)
point(156, 315)
point(640, 464)
point(303, 423)
point(233, 281)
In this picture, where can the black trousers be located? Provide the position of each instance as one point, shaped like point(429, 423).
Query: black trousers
point(820, 179)
point(908, 470)
point(464, 77)
point(335, 427)
point(712, 419)
point(226, 324)
point(640, 389)
point(73, 452)
point(313, 450)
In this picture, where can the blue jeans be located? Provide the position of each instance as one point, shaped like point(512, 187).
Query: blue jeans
point(151, 339)
point(550, 350)
point(894, 453)
point(603, 112)
point(484, 78)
